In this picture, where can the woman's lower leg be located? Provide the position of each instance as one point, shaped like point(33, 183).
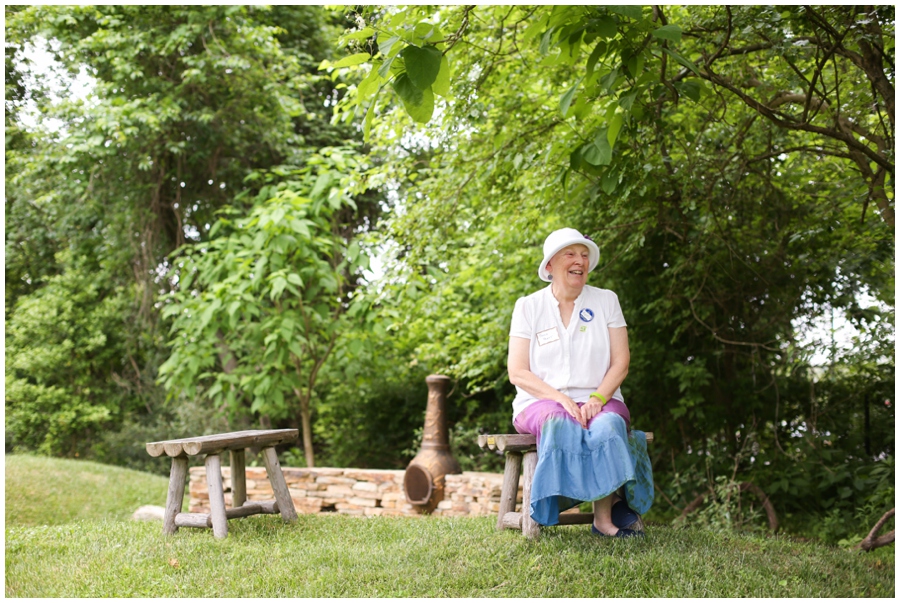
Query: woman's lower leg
point(603, 516)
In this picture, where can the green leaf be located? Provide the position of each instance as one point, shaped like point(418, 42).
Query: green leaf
point(258, 403)
point(609, 80)
point(408, 92)
point(614, 126)
point(215, 389)
point(668, 32)
point(354, 59)
point(368, 86)
point(599, 50)
point(278, 398)
point(598, 152)
point(301, 227)
point(366, 32)
point(385, 70)
point(690, 89)
point(398, 18)
point(628, 10)
point(363, 261)
point(533, 29)
point(215, 228)
point(582, 106)
point(422, 113)
point(635, 65)
point(322, 184)
point(419, 104)
point(427, 31)
point(545, 42)
point(606, 27)
point(683, 61)
point(278, 284)
point(441, 85)
point(575, 159)
point(422, 65)
point(207, 314)
point(566, 98)
point(260, 240)
point(609, 183)
point(367, 121)
point(352, 251)
point(627, 100)
point(386, 46)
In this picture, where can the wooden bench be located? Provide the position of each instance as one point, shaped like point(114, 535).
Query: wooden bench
point(213, 446)
point(521, 455)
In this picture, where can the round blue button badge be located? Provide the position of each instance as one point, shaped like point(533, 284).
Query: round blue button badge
point(587, 315)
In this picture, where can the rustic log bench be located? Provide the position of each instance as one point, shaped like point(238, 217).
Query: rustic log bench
point(521, 455)
point(212, 446)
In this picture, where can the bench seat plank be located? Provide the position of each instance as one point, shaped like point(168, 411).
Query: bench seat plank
point(516, 442)
point(214, 444)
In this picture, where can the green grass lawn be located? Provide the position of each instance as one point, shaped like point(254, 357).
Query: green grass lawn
point(340, 556)
point(50, 491)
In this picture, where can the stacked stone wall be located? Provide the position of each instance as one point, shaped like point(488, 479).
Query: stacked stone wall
point(366, 492)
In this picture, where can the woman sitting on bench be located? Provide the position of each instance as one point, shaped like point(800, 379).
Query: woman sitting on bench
point(568, 355)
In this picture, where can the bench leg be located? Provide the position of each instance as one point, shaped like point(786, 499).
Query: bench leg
point(530, 528)
point(510, 485)
point(175, 496)
point(216, 496)
point(238, 478)
point(279, 486)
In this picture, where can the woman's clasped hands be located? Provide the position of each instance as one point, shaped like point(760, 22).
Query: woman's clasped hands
point(583, 414)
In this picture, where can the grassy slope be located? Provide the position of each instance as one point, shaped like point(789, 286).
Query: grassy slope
point(49, 491)
point(328, 556)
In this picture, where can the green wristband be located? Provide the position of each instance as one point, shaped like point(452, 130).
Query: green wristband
point(599, 396)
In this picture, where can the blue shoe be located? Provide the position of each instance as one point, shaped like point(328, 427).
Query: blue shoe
point(622, 533)
point(622, 515)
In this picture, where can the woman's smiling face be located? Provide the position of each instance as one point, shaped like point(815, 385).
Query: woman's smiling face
point(570, 266)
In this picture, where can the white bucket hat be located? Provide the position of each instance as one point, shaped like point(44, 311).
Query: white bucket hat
point(562, 238)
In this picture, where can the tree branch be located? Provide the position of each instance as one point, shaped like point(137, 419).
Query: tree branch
point(455, 37)
point(870, 542)
point(723, 340)
point(799, 149)
point(771, 115)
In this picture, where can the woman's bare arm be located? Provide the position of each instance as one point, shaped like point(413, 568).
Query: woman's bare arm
point(620, 358)
point(520, 375)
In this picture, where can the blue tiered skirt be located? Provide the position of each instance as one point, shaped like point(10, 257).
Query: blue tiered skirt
point(576, 464)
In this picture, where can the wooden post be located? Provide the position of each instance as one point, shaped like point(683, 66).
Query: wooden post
point(175, 497)
point(279, 486)
point(510, 485)
point(530, 528)
point(216, 496)
point(238, 478)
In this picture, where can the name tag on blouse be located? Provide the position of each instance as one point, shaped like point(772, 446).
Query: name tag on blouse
point(548, 336)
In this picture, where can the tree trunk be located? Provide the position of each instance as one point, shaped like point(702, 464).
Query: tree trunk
point(306, 428)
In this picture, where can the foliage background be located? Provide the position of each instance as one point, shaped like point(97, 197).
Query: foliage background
point(735, 165)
